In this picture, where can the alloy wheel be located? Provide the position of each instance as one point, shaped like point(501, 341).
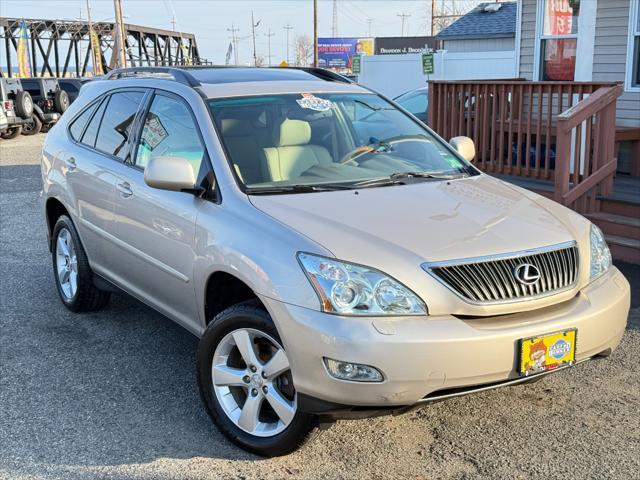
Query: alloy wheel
point(252, 382)
point(66, 264)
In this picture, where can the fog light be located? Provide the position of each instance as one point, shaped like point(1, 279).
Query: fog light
point(352, 371)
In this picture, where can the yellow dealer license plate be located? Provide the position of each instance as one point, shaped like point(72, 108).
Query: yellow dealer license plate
point(547, 352)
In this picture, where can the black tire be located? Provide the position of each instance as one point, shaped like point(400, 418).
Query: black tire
point(33, 127)
point(23, 104)
point(87, 297)
point(11, 133)
point(61, 101)
point(245, 315)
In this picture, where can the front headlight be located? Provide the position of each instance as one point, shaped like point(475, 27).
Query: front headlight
point(348, 289)
point(600, 254)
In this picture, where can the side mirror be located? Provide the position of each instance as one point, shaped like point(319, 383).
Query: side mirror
point(465, 147)
point(170, 173)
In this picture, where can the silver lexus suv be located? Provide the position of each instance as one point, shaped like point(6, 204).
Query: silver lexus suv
point(335, 257)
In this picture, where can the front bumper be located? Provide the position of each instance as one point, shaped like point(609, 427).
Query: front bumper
point(422, 355)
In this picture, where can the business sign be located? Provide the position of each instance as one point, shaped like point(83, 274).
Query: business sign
point(355, 64)
point(404, 45)
point(427, 63)
point(338, 53)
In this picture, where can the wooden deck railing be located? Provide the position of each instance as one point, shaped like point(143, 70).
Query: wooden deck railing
point(561, 131)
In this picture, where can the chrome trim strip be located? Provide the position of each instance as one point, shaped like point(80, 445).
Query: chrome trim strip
point(499, 256)
point(134, 251)
point(521, 294)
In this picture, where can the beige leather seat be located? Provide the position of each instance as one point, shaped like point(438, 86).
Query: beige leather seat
point(292, 154)
point(246, 154)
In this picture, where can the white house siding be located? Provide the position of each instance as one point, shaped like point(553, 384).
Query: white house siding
point(479, 45)
point(610, 56)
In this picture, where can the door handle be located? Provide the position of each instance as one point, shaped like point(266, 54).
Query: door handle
point(125, 189)
point(71, 163)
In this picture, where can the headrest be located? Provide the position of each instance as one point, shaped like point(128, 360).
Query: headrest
point(235, 127)
point(292, 133)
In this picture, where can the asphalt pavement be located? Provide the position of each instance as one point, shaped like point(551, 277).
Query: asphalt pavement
point(113, 395)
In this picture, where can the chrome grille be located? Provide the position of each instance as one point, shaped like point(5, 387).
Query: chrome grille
point(490, 280)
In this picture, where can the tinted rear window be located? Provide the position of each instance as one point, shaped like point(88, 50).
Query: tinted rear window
point(77, 126)
point(117, 122)
point(90, 134)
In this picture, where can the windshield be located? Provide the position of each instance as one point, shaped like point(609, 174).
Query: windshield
point(320, 140)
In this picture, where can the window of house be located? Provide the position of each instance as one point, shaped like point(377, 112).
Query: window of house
point(633, 53)
point(559, 39)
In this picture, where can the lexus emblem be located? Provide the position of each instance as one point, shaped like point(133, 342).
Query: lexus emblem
point(526, 274)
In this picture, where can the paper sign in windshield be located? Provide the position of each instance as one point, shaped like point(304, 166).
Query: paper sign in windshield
point(312, 102)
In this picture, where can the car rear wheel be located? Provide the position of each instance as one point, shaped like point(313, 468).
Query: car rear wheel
point(73, 275)
point(11, 133)
point(23, 104)
point(32, 127)
point(246, 384)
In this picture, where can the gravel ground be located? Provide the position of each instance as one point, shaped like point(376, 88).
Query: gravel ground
point(114, 394)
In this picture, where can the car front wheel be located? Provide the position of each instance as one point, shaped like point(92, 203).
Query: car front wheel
point(245, 382)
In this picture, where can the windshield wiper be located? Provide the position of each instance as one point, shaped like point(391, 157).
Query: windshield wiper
point(328, 187)
point(400, 177)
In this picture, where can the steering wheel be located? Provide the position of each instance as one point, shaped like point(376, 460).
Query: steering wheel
point(358, 152)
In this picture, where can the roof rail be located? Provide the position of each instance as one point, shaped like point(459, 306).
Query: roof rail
point(324, 74)
point(178, 74)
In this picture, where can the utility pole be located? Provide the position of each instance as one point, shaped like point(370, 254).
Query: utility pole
point(334, 24)
point(253, 32)
point(288, 28)
point(269, 35)
point(173, 23)
point(403, 16)
point(433, 18)
point(234, 39)
point(369, 23)
point(315, 33)
point(119, 50)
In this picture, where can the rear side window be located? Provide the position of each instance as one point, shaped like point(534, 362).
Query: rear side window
point(117, 123)
point(77, 126)
point(91, 133)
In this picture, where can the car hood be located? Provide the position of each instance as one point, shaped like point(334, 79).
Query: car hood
point(428, 221)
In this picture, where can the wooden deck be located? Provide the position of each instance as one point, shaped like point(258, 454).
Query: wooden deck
point(556, 138)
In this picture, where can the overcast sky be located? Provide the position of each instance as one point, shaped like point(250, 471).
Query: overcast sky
point(209, 19)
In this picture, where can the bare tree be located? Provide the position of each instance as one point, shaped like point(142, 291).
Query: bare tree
point(303, 48)
point(446, 12)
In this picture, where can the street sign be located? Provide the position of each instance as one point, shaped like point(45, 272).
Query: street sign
point(355, 65)
point(427, 63)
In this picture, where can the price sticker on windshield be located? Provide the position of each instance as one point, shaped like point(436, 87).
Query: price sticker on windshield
point(311, 102)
